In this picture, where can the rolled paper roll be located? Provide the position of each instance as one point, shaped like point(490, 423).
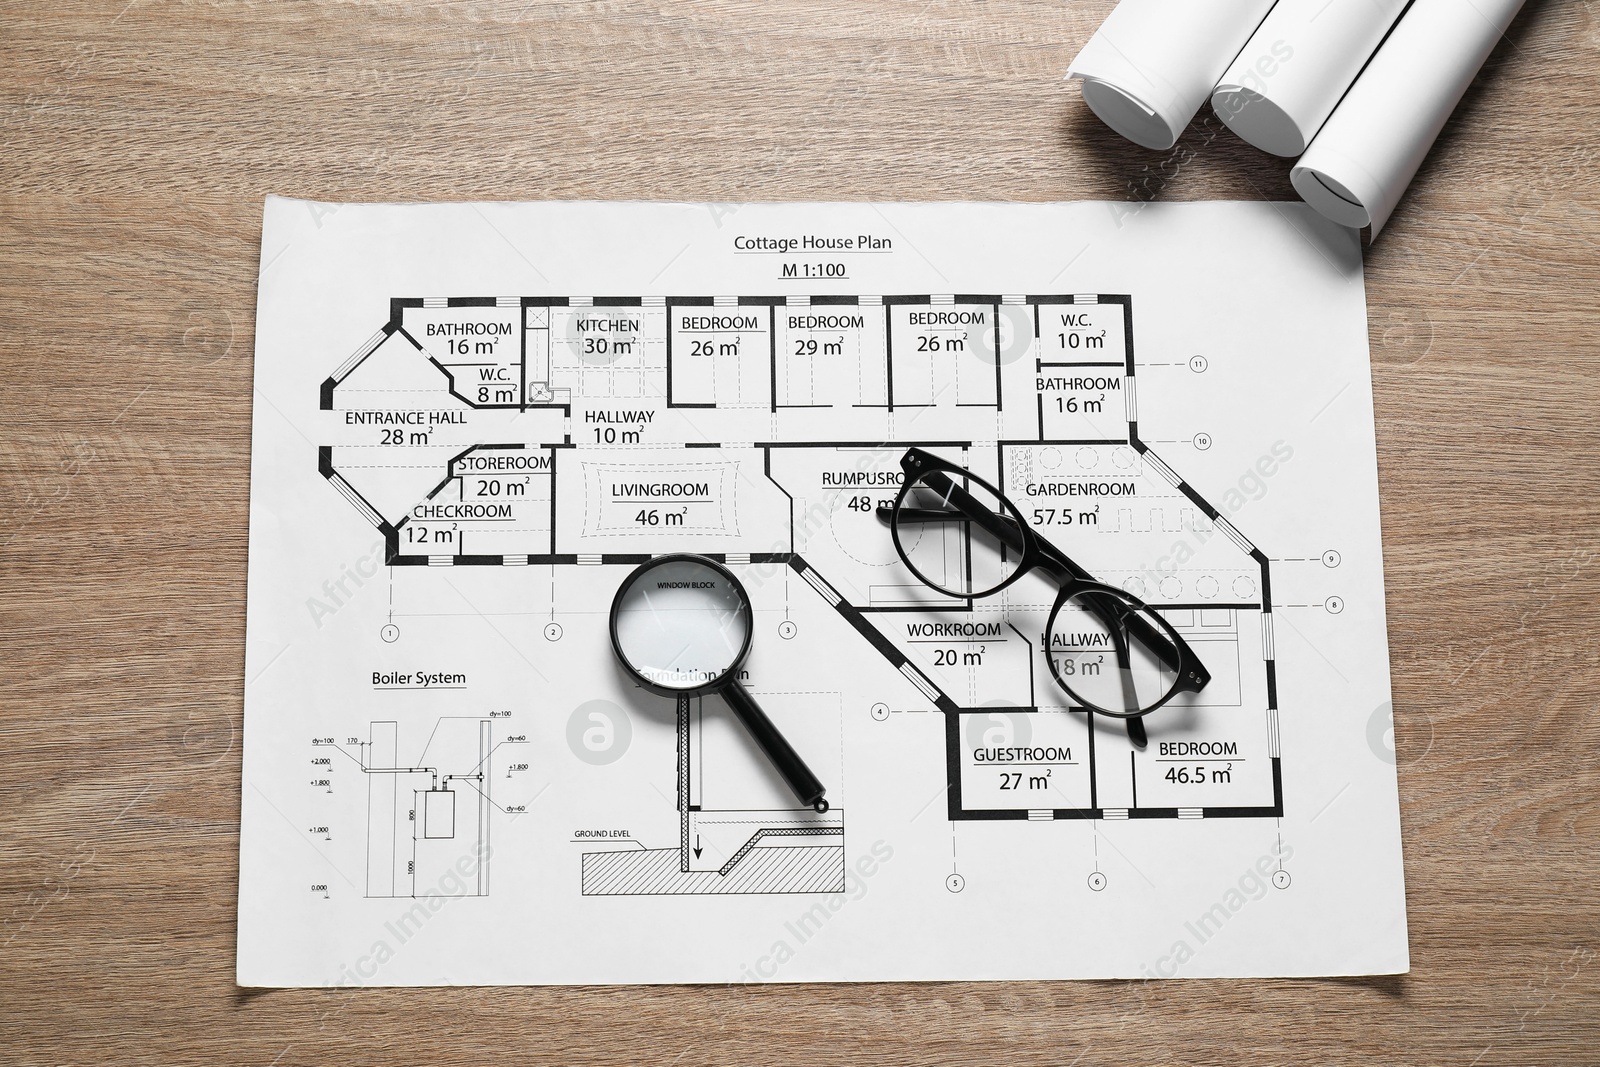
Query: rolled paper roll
point(1279, 91)
point(1370, 148)
point(1152, 63)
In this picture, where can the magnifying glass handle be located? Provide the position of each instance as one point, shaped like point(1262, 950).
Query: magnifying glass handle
point(806, 785)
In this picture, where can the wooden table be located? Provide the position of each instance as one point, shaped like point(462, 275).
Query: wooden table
point(140, 139)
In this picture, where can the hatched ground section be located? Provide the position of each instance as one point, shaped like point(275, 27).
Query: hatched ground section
point(812, 868)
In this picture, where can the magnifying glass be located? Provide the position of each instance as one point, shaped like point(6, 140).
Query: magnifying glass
point(681, 626)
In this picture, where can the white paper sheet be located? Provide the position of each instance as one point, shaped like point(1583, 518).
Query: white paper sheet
point(468, 423)
point(1367, 152)
point(1280, 90)
point(1152, 63)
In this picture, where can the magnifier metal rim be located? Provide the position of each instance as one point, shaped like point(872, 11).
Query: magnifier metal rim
point(729, 674)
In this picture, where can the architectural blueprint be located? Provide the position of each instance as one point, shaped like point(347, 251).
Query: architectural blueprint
point(472, 421)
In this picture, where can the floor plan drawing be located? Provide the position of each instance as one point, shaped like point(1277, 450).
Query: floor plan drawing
point(459, 462)
point(590, 450)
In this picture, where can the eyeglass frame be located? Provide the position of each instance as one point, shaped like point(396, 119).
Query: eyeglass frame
point(1037, 553)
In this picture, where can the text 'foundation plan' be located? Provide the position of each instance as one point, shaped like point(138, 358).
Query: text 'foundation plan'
point(471, 421)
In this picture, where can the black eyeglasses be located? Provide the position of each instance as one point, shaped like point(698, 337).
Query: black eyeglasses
point(1109, 650)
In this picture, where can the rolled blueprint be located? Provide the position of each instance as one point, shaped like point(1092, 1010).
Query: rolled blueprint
point(1367, 152)
point(1280, 90)
point(1152, 63)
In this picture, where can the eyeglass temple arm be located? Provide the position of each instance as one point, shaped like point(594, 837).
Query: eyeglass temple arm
point(1135, 726)
point(1006, 529)
point(1057, 561)
point(1177, 657)
point(1136, 733)
point(1001, 526)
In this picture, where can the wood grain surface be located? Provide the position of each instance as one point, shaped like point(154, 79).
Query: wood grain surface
point(139, 141)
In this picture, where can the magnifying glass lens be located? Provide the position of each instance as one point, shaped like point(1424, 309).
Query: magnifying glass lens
point(681, 625)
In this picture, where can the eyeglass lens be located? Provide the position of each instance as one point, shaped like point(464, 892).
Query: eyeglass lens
point(1102, 649)
point(942, 543)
